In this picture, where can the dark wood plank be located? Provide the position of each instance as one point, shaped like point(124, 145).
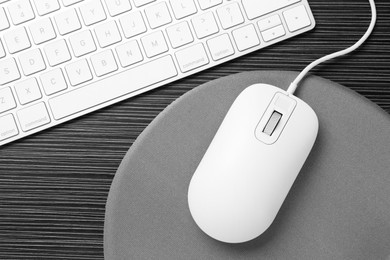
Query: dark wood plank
point(54, 185)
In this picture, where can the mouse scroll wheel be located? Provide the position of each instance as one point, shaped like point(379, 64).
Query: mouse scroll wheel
point(272, 123)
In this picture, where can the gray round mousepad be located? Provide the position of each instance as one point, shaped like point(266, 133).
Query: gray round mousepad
point(338, 207)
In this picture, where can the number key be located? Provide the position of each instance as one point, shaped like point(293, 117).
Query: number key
point(20, 11)
point(46, 6)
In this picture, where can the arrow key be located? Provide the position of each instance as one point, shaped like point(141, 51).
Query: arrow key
point(296, 18)
point(273, 33)
point(246, 37)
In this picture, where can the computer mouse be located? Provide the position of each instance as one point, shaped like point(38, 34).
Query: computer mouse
point(251, 164)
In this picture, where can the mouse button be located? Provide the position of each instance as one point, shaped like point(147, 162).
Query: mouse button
point(271, 124)
point(284, 103)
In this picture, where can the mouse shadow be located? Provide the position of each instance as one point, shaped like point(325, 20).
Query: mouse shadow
point(288, 208)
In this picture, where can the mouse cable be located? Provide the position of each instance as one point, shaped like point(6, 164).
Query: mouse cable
point(293, 86)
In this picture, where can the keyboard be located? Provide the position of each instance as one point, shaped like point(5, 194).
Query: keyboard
point(60, 59)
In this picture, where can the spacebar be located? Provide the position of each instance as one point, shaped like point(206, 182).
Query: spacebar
point(112, 87)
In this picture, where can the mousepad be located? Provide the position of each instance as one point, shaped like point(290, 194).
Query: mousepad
point(338, 207)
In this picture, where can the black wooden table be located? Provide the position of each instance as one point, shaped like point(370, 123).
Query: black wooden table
point(54, 185)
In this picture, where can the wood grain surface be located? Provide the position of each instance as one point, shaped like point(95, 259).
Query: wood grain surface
point(54, 185)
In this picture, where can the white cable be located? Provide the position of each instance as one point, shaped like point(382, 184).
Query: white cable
point(291, 89)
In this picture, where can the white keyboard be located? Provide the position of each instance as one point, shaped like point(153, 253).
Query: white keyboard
point(60, 59)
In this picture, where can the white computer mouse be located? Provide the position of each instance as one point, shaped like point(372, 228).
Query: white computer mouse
point(251, 163)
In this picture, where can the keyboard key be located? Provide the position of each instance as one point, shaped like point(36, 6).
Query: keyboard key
point(179, 34)
point(273, 33)
point(67, 21)
point(32, 62)
point(102, 91)
point(220, 47)
point(2, 51)
point(183, 8)
point(33, 116)
point(230, 15)
point(82, 43)
point(192, 57)
point(158, 15)
point(129, 53)
point(42, 31)
point(57, 52)
point(4, 24)
point(206, 4)
point(27, 91)
point(103, 63)
point(46, 6)
point(8, 71)
point(154, 44)
point(132, 24)
point(17, 40)
point(7, 100)
point(107, 34)
point(20, 11)
point(78, 72)
point(205, 25)
point(116, 7)
point(246, 37)
point(257, 8)
point(92, 12)
point(53, 81)
point(269, 22)
point(139, 3)
point(8, 127)
point(70, 2)
point(296, 18)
